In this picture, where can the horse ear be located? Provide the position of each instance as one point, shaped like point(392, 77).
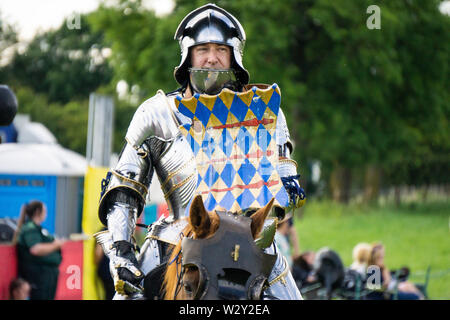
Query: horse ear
point(199, 218)
point(259, 217)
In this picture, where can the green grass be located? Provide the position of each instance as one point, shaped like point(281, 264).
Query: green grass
point(415, 235)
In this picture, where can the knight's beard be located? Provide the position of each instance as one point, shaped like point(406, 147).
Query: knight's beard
point(212, 81)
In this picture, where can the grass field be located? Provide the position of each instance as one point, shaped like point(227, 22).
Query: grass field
point(415, 235)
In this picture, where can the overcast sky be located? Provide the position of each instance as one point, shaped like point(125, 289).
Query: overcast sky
point(30, 16)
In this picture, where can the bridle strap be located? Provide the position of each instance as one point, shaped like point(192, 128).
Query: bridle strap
point(179, 278)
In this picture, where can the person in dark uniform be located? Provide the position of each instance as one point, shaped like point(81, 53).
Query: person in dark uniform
point(38, 253)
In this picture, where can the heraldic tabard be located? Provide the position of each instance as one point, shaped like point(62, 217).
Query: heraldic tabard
point(232, 135)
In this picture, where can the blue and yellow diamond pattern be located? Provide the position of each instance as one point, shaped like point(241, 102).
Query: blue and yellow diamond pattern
point(232, 135)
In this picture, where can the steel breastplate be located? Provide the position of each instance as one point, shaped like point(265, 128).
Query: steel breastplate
point(177, 173)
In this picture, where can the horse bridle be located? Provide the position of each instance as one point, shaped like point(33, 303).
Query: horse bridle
point(203, 279)
point(231, 257)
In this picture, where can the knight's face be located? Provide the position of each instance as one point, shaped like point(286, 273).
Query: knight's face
point(211, 56)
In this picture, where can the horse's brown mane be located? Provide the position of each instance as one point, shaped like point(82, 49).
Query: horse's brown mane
point(170, 276)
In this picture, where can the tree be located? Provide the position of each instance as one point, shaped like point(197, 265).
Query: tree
point(8, 38)
point(54, 76)
point(421, 152)
point(65, 64)
point(146, 59)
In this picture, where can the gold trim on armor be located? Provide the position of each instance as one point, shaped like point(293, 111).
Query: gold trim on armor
point(173, 173)
point(131, 144)
point(178, 185)
point(99, 233)
point(150, 236)
point(142, 153)
point(281, 161)
point(118, 175)
point(281, 277)
point(119, 286)
point(118, 186)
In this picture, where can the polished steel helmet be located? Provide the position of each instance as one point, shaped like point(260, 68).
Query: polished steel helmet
point(210, 24)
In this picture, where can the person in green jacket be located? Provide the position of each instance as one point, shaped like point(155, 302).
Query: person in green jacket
point(38, 252)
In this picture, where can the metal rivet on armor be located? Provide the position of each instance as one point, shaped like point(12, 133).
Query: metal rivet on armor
point(235, 253)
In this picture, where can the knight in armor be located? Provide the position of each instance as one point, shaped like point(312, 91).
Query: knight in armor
point(212, 43)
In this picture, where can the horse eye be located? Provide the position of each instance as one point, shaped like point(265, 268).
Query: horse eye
point(187, 288)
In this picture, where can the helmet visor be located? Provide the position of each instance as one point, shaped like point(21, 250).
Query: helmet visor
point(211, 81)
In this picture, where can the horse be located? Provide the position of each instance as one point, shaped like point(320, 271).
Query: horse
point(217, 257)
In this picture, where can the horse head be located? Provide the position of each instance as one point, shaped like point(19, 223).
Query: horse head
point(218, 257)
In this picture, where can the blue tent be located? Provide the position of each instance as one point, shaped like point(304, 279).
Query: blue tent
point(46, 172)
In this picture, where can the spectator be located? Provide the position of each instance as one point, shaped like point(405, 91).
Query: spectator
point(19, 289)
point(293, 238)
point(405, 290)
point(302, 269)
point(39, 253)
point(361, 254)
point(282, 241)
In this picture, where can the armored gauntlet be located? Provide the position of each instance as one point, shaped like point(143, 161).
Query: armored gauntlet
point(287, 168)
